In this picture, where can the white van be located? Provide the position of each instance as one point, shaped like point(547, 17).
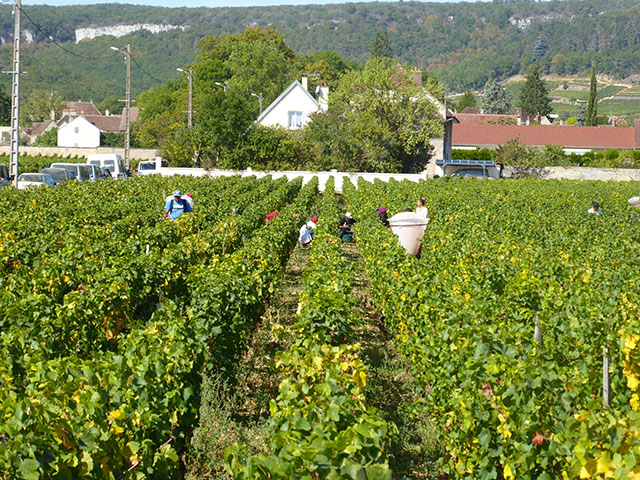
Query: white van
point(109, 161)
point(80, 170)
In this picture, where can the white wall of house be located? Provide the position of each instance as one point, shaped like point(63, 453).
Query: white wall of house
point(292, 111)
point(79, 133)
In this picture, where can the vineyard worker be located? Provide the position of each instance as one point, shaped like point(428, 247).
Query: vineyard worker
point(344, 227)
point(306, 232)
point(422, 209)
point(381, 213)
point(176, 206)
point(595, 209)
point(270, 217)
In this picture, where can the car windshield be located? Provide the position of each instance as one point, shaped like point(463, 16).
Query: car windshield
point(147, 166)
point(31, 177)
point(57, 174)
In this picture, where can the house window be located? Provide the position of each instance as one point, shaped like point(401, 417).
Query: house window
point(295, 119)
point(76, 130)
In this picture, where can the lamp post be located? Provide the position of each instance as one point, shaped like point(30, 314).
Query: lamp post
point(225, 85)
point(127, 105)
point(190, 111)
point(259, 97)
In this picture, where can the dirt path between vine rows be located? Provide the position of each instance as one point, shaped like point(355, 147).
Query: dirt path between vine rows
point(390, 386)
point(239, 413)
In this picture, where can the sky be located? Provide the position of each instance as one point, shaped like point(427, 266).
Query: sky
point(201, 3)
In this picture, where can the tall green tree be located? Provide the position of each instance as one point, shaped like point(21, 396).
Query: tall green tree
point(112, 104)
point(5, 108)
point(591, 117)
point(534, 96)
point(468, 99)
point(539, 49)
point(496, 99)
point(377, 121)
point(381, 46)
point(227, 71)
point(40, 105)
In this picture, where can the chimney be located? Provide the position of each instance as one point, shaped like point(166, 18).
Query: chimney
point(53, 114)
point(106, 112)
point(323, 97)
point(304, 83)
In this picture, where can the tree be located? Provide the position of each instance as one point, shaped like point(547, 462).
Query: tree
point(42, 105)
point(381, 46)
point(112, 139)
point(591, 117)
point(582, 114)
point(539, 49)
point(496, 99)
point(47, 139)
point(468, 100)
point(377, 121)
point(5, 108)
point(112, 104)
point(534, 96)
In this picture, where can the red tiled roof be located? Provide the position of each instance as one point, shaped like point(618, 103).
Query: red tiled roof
point(39, 127)
point(80, 108)
point(470, 118)
point(133, 116)
point(540, 135)
point(115, 123)
point(104, 123)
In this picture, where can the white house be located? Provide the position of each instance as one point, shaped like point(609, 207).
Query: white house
point(293, 108)
point(79, 132)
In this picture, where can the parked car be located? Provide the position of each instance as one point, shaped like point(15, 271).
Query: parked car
point(98, 173)
point(109, 161)
point(471, 172)
point(59, 175)
point(148, 168)
point(82, 171)
point(35, 180)
point(5, 178)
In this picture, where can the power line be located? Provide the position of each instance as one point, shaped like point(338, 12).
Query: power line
point(144, 71)
point(60, 46)
point(78, 54)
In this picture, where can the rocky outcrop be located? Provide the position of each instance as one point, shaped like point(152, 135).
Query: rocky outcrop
point(121, 30)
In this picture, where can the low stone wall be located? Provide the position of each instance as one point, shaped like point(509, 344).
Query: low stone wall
point(306, 176)
point(68, 152)
point(573, 173)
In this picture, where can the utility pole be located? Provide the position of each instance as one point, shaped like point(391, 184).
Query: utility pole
point(15, 95)
point(127, 118)
point(190, 111)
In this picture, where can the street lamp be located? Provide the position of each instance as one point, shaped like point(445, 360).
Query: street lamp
point(190, 76)
point(225, 85)
point(127, 105)
point(259, 97)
